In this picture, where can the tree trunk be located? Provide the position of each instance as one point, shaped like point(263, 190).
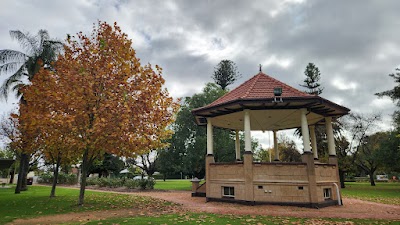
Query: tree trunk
point(84, 170)
point(12, 174)
point(164, 176)
point(55, 177)
point(24, 186)
point(341, 176)
point(371, 179)
point(20, 173)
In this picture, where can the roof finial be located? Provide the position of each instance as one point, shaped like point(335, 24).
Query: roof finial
point(260, 68)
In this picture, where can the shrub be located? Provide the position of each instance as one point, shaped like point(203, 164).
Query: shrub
point(110, 182)
point(92, 181)
point(146, 183)
point(102, 182)
point(115, 182)
point(63, 178)
point(131, 184)
point(46, 178)
point(150, 183)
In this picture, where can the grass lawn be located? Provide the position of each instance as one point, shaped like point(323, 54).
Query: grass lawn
point(36, 202)
point(206, 218)
point(388, 193)
point(182, 185)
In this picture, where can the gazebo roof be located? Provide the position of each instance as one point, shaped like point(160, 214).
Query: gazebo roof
point(260, 86)
point(257, 93)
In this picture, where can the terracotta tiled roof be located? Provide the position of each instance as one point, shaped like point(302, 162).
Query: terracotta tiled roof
point(260, 86)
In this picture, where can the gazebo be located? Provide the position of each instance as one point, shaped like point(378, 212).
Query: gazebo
point(5, 164)
point(263, 103)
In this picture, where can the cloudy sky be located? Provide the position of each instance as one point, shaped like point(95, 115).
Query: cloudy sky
point(355, 44)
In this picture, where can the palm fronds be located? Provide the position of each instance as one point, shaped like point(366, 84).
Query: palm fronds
point(37, 48)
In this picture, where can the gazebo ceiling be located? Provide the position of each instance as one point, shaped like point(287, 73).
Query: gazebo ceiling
point(268, 112)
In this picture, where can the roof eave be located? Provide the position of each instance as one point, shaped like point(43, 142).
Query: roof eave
point(310, 102)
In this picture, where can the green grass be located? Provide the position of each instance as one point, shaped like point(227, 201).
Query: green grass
point(36, 202)
point(181, 185)
point(388, 193)
point(205, 218)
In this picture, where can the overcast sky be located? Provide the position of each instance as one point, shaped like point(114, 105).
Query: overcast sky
point(355, 44)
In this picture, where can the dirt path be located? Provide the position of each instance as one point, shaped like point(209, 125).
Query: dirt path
point(352, 208)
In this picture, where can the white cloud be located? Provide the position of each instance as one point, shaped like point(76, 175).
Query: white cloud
point(381, 103)
point(281, 62)
point(342, 84)
point(283, 5)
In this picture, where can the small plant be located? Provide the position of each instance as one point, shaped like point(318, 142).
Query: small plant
point(147, 183)
point(131, 184)
point(63, 178)
point(92, 181)
point(102, 182)
point(45, 178)
point(150, 183)
point(115, 182)
point(142, 183)
point(110, 182)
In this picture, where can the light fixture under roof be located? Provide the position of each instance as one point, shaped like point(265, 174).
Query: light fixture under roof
point(278, 93)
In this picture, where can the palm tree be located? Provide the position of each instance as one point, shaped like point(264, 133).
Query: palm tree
point(40, 50)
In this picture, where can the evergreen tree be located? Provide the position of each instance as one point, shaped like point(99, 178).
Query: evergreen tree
point(225, 73)
point(311, 83)
point(394, 94)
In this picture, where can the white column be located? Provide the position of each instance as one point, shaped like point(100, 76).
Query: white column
point(304, 131)
point(276, 147)
point(247, 134)
point(210, 139)
point(313, 142)
point(329, 135)
point(237, 145)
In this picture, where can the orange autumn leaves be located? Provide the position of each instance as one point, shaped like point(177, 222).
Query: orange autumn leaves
point(99, 97)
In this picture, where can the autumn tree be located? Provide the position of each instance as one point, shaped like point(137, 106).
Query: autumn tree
point(57, 147)
point(101, 93)
point(226, 73)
